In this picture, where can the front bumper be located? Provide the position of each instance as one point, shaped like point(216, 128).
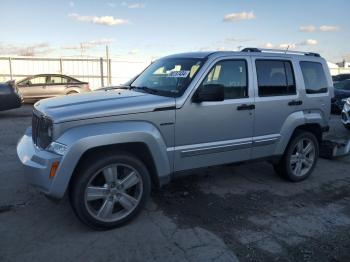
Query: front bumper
point(345, 114)
point(37, 163)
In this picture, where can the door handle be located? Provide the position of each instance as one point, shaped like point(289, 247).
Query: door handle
point(295, 103)
point(245, 107)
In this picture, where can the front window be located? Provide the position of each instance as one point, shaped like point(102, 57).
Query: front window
point(169, 76)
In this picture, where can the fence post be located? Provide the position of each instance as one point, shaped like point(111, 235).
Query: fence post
point(101, 69)
point(61, 66)
point(10, 67)
point(109, 72)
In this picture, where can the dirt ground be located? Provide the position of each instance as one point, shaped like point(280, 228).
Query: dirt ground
point(235, 212)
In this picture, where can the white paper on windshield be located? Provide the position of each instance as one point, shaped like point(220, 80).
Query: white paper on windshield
point(179, 74)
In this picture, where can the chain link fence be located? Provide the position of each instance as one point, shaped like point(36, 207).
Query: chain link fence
point(98, 72)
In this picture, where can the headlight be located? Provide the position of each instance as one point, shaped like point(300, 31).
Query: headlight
point(57, 148)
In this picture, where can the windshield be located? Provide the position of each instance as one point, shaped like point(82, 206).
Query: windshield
point(168, 76)
point(345, 85)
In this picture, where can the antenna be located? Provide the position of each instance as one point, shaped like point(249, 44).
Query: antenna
point(287, 49)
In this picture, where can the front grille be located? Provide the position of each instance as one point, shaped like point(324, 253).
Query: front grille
point(40, 130)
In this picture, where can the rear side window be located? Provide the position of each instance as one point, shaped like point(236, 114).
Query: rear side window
point(275, 78)
point(314, 77)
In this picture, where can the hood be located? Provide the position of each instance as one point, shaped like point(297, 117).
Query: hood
point(100, 104)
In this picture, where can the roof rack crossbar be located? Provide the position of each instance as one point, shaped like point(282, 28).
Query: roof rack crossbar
point(280, 51)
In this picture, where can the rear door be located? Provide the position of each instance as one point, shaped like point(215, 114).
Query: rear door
point(56, 85)
point(277, 97)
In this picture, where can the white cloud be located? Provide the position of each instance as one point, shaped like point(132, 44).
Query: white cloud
point(100, 20)
point(25, 50)
point(291, 46)
point(288, 46)
point(309, 42)
point(307, 28)
point(136, 5)
point(268, 45)
point(239, 16)
point(329, 28)
point(89, 44)
point(237, 40)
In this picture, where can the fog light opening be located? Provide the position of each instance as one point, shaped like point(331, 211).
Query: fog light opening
point(54, 168)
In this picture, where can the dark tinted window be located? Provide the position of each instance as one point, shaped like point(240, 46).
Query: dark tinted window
point(314, 77)
point(345, 85)
point(275, 78)
point(232, 75)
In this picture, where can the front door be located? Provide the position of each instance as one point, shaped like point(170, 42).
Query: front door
point(33, 88)
point(213, 133)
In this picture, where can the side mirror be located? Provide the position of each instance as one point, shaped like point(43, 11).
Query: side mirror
point(211, 92)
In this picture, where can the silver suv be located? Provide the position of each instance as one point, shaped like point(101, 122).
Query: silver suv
point(107, 149)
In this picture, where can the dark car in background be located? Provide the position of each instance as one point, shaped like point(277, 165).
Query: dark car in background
point(42, 86)
point(341, 93)
point(341, 77)
point(9, 96)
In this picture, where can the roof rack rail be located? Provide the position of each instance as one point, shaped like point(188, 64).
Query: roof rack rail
point(280, 51)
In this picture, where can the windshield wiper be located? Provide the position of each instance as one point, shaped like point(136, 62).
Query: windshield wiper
point(145, 89)
point(114, 87)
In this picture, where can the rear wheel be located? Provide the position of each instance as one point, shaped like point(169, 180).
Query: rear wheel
point(300, 157)
point(72, 93)
point(111, 191)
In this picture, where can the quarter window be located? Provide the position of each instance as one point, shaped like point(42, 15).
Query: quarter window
point(275, 78)
point(232, 75)
point(314, 77)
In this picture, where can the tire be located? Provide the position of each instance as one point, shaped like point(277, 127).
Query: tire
point(103, 200)
point(294, 157)
point(72, 93)
point(347, 126)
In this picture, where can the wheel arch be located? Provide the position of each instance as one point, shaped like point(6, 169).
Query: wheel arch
point(137, 149)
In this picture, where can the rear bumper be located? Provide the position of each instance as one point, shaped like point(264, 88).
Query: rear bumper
point(37, 164)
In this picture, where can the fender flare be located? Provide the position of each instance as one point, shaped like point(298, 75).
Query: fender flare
point(83, 138)
point(294, 121)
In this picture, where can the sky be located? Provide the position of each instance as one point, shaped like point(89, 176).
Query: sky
point(154, 28)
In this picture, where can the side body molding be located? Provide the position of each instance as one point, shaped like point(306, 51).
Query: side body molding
point(82, 138)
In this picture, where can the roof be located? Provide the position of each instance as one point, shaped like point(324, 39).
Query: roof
point(246, 51)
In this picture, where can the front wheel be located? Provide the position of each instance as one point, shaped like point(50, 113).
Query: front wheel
point(111, 191)
point(347, 126)
point(300, 157)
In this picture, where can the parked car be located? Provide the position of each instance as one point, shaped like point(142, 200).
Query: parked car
point(345, 115)
point(9, 96)
point(340, 77)
point(37, 87)
point(107, 149)
point(341, 93)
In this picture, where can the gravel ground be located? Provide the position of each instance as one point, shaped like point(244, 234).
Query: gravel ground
point(228, 213)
